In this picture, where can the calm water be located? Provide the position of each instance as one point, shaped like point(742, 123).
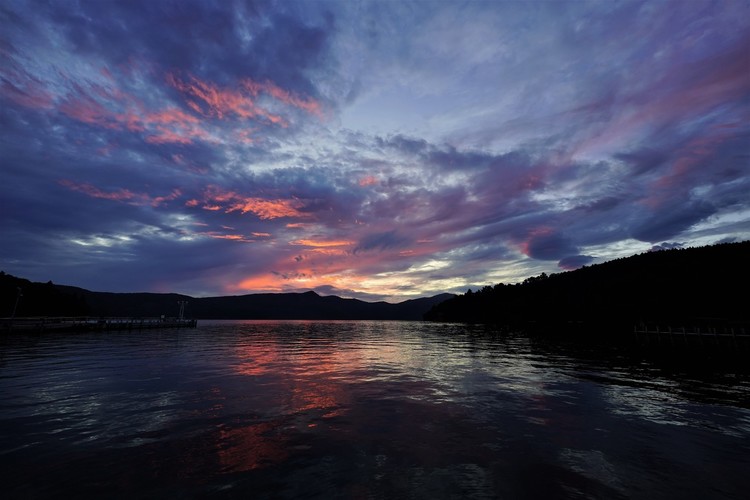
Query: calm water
point(361, 410)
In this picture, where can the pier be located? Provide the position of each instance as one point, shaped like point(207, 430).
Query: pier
point(727, 337)
point(77, 324)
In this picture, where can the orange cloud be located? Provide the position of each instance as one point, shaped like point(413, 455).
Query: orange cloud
point(322, 243)
point(231, 237)
point(210, 100)
point(267, 209)
point(217, 199)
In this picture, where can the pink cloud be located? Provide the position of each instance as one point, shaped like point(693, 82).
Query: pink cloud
point(108, 105)
point(688, 161)
point(122, 195)
point(368, 180)
point(310, 105)
point(95, 192)
point(87, 110)
point(686, 92)
point(165, 136)
point(31, 95)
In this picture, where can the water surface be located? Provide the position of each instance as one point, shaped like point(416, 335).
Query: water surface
point(295, 409)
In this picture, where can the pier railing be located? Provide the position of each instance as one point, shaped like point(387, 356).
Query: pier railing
point(88, 323)
point(730, 336)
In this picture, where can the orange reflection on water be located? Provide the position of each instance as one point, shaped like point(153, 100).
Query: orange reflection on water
point(307, 378)
point(306, 389)
point(256, 360)
point(251, 447)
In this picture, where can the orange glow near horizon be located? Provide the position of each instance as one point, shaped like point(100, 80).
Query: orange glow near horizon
point(322, 243)
point(277, 282)
point(267, 282)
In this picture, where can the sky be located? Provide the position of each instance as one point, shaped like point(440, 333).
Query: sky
point(381, 150)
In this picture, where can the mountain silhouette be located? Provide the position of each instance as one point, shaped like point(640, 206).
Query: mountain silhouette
point(48, 299)
point(686, 287)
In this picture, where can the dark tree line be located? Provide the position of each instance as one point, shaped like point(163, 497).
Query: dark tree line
point(26, 298)
point(691, 286)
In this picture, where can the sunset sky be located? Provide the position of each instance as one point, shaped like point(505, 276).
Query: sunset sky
point(369, 149)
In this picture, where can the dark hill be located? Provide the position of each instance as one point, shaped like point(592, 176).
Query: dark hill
point(692, 286)
point(48, 299)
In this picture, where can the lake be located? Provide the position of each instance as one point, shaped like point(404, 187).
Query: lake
point(295, 409)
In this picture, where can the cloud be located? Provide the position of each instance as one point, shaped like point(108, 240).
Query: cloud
point(669, 221)
point(574, 262)
point(381, 241)
point(123, 195)
point(216, 198)
point(666, 246)
point(546, 244)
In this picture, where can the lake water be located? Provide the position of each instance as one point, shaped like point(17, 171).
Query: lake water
point(250, 409)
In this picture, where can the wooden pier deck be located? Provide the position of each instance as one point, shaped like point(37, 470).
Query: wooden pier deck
point(56, 324)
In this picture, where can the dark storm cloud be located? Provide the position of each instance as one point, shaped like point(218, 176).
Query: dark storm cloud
point(665, 222)
point(549, 246)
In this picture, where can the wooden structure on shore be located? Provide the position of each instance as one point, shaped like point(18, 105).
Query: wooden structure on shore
point(724, 337)
point(87, 324)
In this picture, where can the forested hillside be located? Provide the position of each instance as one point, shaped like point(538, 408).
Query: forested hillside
point(707, 285)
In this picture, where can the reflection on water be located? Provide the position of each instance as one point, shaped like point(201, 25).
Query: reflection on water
point(361, 410)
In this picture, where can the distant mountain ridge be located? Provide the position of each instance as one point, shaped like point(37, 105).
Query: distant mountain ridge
point(48, 299)
point(678, 286)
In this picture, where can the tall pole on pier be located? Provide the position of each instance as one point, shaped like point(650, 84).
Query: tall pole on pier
point(182, 308)
point(18, 299)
